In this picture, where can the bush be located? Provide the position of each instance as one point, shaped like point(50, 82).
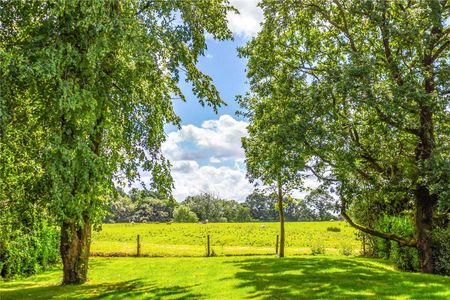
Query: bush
point(316, 250)
point(441, 251)
point(26, 252)
point(405, 258)
point(183, 214)
point(346, 250)
point(334, 229)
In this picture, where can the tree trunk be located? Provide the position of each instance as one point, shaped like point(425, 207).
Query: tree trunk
point(424, 225)
point(281, 214)
point(74, 248)
point(425, 201)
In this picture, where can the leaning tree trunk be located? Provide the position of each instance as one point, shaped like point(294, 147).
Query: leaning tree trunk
point(281, 214)
point(74, 248)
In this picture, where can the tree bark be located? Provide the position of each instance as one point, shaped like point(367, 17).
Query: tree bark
point(74, 249)
point(425, 201)
point(424, 226)
point(281, 214)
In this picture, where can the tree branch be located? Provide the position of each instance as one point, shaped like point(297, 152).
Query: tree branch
point(440, 50)
point(383, 117)
point(320, 176)
point(384, 235)
point(387, 48)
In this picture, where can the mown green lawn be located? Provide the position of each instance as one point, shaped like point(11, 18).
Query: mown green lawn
point(256, 277)
point(226, 238)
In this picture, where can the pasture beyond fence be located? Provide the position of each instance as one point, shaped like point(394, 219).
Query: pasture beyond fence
point(222, 239)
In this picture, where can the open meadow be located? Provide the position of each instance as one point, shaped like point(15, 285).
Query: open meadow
point(329, 276)
point(178, 239)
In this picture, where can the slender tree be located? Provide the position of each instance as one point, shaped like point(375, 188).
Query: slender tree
point(269, 159)
point(97, 78)
point(369, 94)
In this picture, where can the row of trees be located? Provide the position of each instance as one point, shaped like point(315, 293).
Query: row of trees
point(357, 94)
point(140, 206)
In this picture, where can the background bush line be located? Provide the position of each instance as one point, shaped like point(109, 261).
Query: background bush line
point(138, 206)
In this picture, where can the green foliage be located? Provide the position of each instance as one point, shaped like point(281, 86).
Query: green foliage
point(405, 258)
point(90, 86)
point(314, 207)
point(182, 214)
point(151, 210)
point(262, 206)
point(140, 206)
point(321, 204)
point(210, 208)
point(121, 209)
point(28, 250)
point(346, 250)
point(333, 229)
point(441, 249)
point(356, 92)
point(206, 206)
point(317, 249)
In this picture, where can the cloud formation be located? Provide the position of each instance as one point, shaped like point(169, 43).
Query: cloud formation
point(209, 159)
point(216, 140)
point(247, 22)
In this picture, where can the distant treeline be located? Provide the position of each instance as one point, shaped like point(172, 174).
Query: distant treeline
point(140, 206)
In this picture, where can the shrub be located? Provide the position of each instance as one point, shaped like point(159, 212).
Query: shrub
point(406, 258)
point(441, 251)
point(318, 249)
point(28, 251)
point(334, 229)
point(346, 250)
point(183, 214)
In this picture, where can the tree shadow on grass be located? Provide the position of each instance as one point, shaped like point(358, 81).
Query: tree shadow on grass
point(328, 278)
point(135, 289)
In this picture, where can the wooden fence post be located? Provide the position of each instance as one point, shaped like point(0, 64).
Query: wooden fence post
point(209, 247)
point(138, 246)
point(276, 245)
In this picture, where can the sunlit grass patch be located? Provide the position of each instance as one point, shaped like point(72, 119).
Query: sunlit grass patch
point(256, 277)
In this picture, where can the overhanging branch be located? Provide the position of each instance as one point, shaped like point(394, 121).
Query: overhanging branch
point(384, 235)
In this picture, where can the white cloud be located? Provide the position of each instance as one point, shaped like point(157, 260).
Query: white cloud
point(210, 159)
point(216, 144)
point(247, 22)
point(217, 140)
point(225, 182)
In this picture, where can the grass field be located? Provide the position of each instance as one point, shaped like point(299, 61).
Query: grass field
point(256, 277)
point(226, 238)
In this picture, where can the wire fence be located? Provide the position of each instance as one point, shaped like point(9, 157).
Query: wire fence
point(192, 240)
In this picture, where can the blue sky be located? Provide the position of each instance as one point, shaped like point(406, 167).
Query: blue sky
point(206, 153)
point(228, 72)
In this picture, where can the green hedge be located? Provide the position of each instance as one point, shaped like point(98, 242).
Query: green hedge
point(407, 258)
point(26, 251)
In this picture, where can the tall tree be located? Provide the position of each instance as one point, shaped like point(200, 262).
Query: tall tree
point(98, 79)
point(369, 90)
point(268, 157)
